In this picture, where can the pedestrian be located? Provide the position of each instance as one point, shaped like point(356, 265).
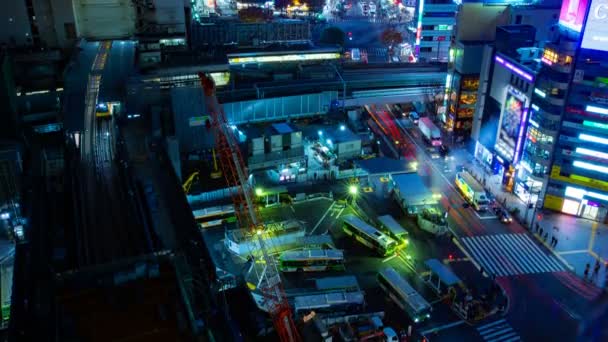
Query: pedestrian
point(537, 226)
point(596, 268)
point(555, 244)
point(504, 201)
point(546, 235)
point(586, 273)
point(540, 234)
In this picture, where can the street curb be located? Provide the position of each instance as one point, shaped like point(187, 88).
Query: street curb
point(561, 258)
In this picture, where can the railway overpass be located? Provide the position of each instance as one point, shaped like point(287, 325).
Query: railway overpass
point(279, 100)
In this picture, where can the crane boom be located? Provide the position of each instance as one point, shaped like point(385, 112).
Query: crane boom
point(247, 213)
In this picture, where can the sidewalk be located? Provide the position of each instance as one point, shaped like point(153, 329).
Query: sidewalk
point(579, 241)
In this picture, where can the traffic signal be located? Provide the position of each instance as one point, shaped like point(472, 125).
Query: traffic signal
point(539, 217)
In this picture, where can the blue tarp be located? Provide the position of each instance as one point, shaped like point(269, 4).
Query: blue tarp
point(444, 273)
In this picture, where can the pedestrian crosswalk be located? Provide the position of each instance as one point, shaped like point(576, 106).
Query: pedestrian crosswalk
point(498, 331)
point(377, 51)
point(510, 254)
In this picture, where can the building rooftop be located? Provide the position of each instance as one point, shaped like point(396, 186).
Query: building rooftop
point(342, 134)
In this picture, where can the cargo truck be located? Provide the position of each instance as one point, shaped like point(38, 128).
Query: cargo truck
point(429, 131)
point(472, 191)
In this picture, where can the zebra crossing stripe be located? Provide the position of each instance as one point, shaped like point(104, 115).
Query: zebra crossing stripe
point(471, 245)
point(507, 267)
point(503, 331)
point(506, 254)
point(507, 241)
point(488, 325)
point(512, 336)
point(537, 267)
point(510, 254)
point(498, 331)
point(552, 261)
point(533, 250)
point(490, 259)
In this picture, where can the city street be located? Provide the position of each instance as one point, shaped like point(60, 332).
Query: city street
point(545, 300)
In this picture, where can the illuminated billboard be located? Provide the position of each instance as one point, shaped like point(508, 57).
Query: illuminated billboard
point(596, 29)
point(572, 14)
point(512, 125)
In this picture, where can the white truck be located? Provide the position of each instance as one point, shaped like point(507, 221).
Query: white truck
point(429, 131)
point(472, 191)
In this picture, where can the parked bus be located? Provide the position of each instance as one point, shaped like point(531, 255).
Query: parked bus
point(336, 303)
point(404, 295)
point(347, 283)
point(368, 235)
point(394, 229)
point(214, 216)
point(310, 260)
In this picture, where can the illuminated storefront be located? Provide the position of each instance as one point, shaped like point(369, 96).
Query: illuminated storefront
point(578, 180)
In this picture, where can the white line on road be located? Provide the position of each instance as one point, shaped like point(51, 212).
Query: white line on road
point(442, 327)
point(340, 212)
point(578, 251)
point(322, 218)
point(389, 258)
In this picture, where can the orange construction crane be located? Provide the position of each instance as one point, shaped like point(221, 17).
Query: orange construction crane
point(245, 208)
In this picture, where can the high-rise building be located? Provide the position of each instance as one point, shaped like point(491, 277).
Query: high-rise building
point(38, 23)
point(577, 89)
point(476, 27)
point(435, 20)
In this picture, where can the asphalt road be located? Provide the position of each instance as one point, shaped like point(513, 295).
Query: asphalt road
point(542, 306)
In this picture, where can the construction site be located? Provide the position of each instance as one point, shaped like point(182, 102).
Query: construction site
point(312, 260)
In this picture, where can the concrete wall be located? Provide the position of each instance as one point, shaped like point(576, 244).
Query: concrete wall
point(486, 18)
point(105, 19)
point(63, 13)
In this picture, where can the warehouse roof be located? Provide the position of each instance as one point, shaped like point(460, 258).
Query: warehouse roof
point(342, 134)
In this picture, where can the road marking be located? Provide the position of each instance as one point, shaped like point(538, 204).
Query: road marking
point(592, 238)
point(511, 254)
point(498, 331)
point(578, 251)
point(340, 212)
point(322, 218)
point(389, 258)
point(442, 327)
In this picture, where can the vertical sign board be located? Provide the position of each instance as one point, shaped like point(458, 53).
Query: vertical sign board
point(510, 128)
point(595, 36)
point(572, 14)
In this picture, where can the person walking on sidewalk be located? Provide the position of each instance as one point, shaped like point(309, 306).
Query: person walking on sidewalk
point(596, 269)
point(586, 273)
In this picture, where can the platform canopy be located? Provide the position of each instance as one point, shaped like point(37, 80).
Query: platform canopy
point(443, 272)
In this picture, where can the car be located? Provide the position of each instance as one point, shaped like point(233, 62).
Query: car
point(503, 215)
point(444, 150)
point(414, 117)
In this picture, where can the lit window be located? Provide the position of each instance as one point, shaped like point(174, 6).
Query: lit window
point(589, 166)
point(570, 207)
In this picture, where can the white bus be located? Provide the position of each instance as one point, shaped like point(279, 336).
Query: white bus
point(404, 295)
point(312, 260)
point(336, 303)
point(214, 216)
point(368, 235)
point(394, 229)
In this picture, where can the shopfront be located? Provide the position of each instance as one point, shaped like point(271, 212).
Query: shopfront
point(484, 156)
point(586, 204)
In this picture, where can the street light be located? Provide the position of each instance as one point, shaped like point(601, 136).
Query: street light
point(353, 190)
point(259, 192)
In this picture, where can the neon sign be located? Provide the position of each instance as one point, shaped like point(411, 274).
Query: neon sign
point(573, 14)
point(513, 68)
point(596, 29)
